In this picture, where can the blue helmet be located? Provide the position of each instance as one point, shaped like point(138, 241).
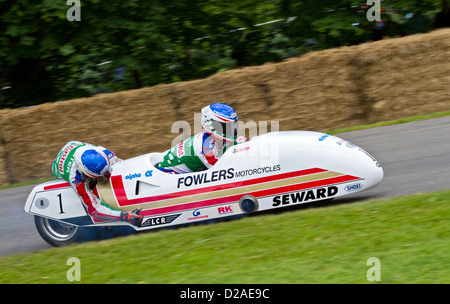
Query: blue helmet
point(220, 120)
point(92, 162)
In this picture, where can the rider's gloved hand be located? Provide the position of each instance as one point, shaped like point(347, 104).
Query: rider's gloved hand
point(132, 217)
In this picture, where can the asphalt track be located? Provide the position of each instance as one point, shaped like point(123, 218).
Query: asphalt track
point(414, 157)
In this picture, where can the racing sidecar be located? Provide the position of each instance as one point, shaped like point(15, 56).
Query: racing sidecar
point(270, 171)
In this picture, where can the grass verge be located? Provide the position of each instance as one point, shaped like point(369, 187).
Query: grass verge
point(409, 235)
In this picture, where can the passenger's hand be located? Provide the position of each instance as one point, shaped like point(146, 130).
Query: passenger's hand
point(133, 217)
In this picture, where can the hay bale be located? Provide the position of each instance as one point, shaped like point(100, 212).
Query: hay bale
point(127, 123)
point(406, 76)
point(323, 90)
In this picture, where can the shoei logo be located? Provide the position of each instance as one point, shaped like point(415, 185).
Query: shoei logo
point(353, 187)
point(225, 115)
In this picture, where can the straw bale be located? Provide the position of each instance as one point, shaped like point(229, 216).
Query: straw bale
point(324, 90)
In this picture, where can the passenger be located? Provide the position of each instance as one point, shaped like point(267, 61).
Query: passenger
point(83, 165)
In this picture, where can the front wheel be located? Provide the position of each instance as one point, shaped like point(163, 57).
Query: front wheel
point(56, 233)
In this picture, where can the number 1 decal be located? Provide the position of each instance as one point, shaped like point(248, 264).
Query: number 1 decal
point(60, 203)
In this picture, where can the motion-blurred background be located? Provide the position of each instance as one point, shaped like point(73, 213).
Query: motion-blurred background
point(127, 70)
point(122, 45)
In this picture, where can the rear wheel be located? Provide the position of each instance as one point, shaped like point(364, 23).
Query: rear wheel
point(56, 233)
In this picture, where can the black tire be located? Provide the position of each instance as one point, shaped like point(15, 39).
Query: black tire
point(56, 233)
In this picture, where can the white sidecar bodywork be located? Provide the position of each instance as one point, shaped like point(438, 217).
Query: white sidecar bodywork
point(270, 171)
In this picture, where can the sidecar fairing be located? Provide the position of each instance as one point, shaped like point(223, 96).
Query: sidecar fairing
point(270, 171)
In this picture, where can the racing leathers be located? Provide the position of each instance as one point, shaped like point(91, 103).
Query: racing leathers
point(199, 152)
point(64, 167)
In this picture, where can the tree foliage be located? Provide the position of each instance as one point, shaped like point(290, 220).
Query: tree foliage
point(121, 45)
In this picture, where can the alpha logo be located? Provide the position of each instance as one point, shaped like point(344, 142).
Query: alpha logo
point(225, 210)
point(160, 220)
point(131, 176)
point(309, 195)
point(322, 138)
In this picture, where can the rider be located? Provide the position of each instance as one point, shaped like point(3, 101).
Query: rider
point(202, 150)
point(83, 165)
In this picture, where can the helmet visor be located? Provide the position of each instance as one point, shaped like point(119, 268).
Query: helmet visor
point(227, 130)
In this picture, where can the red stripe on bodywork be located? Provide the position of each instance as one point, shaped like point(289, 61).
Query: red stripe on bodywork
point(122, 199)
point(57, 186)
point(257, 194)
